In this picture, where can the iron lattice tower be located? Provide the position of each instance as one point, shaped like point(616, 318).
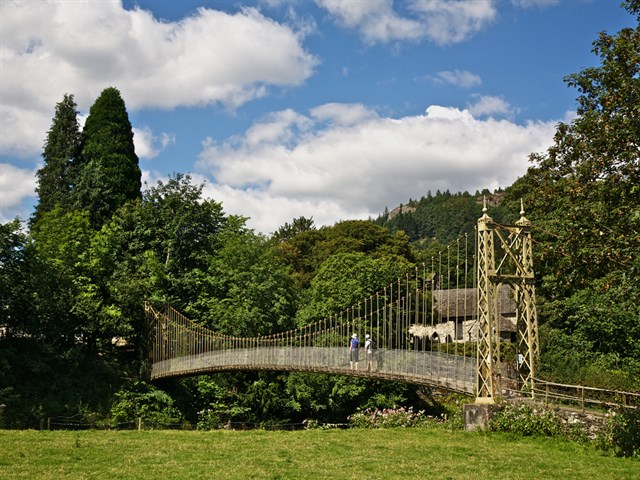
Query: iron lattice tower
point(515, 269)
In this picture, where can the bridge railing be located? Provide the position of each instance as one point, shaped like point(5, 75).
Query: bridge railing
point(583, 397)
point(182, 347)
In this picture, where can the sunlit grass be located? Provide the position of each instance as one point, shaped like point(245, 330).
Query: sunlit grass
point(343, 454)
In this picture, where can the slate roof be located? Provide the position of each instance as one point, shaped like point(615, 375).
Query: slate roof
point(454, 303)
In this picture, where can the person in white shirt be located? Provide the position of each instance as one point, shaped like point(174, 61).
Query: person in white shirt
point(368, 351)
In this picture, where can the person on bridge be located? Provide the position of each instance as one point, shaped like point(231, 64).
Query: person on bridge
point(368, 351)
point(353, 351)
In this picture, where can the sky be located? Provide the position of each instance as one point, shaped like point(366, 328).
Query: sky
point(326, 109)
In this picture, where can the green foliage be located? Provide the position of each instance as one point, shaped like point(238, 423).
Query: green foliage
point(437, 220)
point(266, 398)
point(585, 188)
point(523, 419)
point(393, 418)
point(141, 400)
point(14, 275)
point(249, 289)
point(40, 380)
point(572, 359)
point(583, 194)
point(216, 400)
point(623, 433)
point(345, 279)
point(308, 250)
point(288, 231)
point(108, 174)
point(158, 249)
point(71, 288)
point(329, 399)
point(219, 415)
point(60, 155)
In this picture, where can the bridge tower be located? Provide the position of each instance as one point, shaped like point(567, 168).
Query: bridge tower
point(512, 246)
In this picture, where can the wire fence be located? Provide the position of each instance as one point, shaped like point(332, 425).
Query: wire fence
point(79, 422)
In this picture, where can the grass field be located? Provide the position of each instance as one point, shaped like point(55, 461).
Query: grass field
point(312, 454)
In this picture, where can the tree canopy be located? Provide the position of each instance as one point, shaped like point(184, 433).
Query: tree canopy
point(584, 194)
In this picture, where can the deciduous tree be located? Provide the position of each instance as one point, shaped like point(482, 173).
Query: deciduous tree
point(584, 194)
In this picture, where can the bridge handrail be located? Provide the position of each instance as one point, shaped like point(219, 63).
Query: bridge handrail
point(581, 395)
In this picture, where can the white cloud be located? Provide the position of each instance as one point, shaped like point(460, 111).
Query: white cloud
point(441, 21)
point(490, 105)
point(342, 113)
point(453, 21)
point(376, 21)
point(278, 127)
point(22, 130)
point(459, 78)
point(16, 185)
point(148, 145)
point(336, 170)
point(211, 57)
point(268, 212)
point(535, 3)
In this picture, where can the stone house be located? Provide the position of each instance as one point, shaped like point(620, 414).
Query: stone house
point(456, 316)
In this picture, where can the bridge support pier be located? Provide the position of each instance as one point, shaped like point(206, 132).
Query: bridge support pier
point(477, 415)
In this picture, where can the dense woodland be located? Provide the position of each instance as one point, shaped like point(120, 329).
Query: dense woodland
point(76, 276)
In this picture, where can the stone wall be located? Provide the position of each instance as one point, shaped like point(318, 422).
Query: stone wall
point(467, 330)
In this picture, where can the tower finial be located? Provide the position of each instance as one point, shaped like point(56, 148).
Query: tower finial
point(484, 204)
point(523, 220)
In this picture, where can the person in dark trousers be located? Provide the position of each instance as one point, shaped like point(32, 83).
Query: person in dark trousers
point(353, 351)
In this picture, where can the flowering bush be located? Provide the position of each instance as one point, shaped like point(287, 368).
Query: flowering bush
point(392, 418)
point(526, 420)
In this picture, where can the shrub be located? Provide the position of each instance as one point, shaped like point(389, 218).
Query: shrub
point(526, 420)
point(141, 400)
point(392, 418)
point(218, 415)
point(623, 433)
point(452, 414)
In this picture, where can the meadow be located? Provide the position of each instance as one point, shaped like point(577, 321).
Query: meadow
point(309, 454)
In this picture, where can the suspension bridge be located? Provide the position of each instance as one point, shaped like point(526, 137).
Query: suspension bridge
point(441, 324)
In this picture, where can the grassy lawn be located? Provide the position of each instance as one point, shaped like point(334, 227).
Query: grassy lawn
point(341, 454)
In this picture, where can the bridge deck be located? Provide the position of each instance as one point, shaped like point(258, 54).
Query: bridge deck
point(451, 372)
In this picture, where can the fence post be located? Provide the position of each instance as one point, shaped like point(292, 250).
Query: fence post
point(139, 423)
point(546, 395)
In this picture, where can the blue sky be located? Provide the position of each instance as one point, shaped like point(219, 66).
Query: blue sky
point(286, 108)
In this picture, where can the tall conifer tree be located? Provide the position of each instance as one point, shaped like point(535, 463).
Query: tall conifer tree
point(109, 175)
point(60, 153)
